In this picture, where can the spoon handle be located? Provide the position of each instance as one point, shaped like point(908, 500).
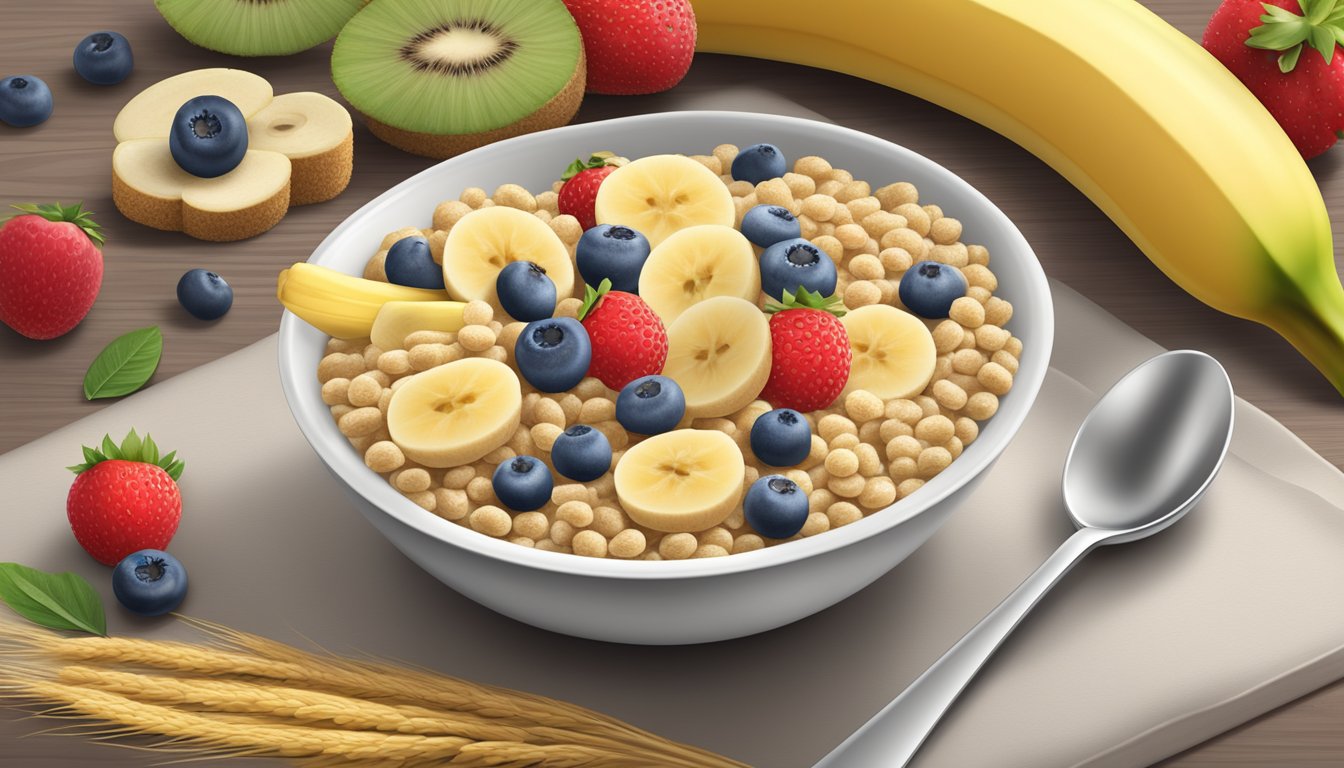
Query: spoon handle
point(894, 734)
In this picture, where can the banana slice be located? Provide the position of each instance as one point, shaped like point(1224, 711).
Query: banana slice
point(399, 319)
point(686, 480)
point(661, 194)
point(697, 263)
point(456, 413)
point(338, 304)
point(894, 355)
point(719, 352)
point(481, 243)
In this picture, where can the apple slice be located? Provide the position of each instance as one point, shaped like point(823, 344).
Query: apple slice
point(149, 188)
point(317, 136)
point(150, 113)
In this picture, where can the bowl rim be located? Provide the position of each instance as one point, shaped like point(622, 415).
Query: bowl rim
point(349, 468)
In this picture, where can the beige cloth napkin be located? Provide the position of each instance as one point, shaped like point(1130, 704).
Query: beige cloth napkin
point(1142, 651)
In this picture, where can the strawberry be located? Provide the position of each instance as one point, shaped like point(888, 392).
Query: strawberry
point(124, 499)
point(1262, 44)
point(581, 182)
point(50, 269)
point(635, 46)
point(628, 338)
point(810, 352)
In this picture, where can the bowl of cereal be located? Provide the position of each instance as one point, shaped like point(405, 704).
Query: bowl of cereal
point(788, 378)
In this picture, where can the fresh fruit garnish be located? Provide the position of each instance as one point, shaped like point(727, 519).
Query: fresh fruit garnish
point(719, 353)
point(582, 180)
point(612, 252)
point(661, 194)
point(687, 480)
point(781, 438)
point(893, 351)
point(438, 78)
point(341, 305)
point(650, 405)
point(775, 507)
point(204, 294)
point(104, 58)
point(208, 136)
point(525, 291)
point(811, 352)
point(765, 225)
point(699, 263)
point(484, 241)
point(581, 453)
point(125, 364)
point(1303, 91)
point(125, 498)
point(553, 354)
point(523, 483)
point(65, 601)
point(50, 269)
point(628, 339)
point(150, 582)
point(635, 47)
point(928, 289)
point(456, 413)
point(794, 265)
point(409, 263)
point(398, 319)
point(25, 101)
point(759, 162)
point(247, 28)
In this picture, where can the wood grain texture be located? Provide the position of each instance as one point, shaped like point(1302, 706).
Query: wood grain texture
point(68, 159)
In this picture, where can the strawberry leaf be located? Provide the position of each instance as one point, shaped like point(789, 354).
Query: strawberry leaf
point(53, 600)
point(1289, 58)
point(132, 448)
point(591, 297)
point(595, 160)
point(1282, 30)
point(75, 214)
point(805, 299)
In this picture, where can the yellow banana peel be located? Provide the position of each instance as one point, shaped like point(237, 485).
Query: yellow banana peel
point(1138, 116)
point(338, 304)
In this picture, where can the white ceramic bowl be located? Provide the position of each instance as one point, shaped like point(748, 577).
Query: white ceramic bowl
point(669, 602)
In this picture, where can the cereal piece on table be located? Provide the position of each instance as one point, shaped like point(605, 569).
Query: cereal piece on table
point(548, 411)
point(549, 202)
point(726, 154)
point(834, 424)
point(967, 312)
point(847, 487)
point(878, 492)
point(949, 395)
point(336, 391)
point(952, 255)
point(481, 490)
point(448, 213)
point(577, 513)
point(473, 196)
point(1006, 360)
point(947, 335)
point(844, 440)
point(627, 544)
point(458, 477)
point(360, 422)
point(412, 480)
point(395, 362)
point(945, 230)
point(842, 463)
point(568, 307)
point(569, 492)
point(935, 430)
point(890, 429)
point(916, 218)
point(774, 192)
point(851, 236)
point(589, 544)
point(533, 525)
point(747, 542)
point(843, 513)
point(995, 378)
point(991, 338)
point(515, 196)
point(596, 409)
point(933, 460)
point(451, 503)
point(709, 161)
point(491, 520)
point(870, 464)
point(677, 546)
point(709, 550)
point(903, 468)
point(562, 533)
point(815, 167)
point(862, 293)
point(907, 487)
point(608, 521)
point(340, 366)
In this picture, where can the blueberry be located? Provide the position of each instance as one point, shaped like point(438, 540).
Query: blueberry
point(775, 507)
point(104, 58)
point(758, 163)
point(781, 438)
point(24, 101)
point(150, 582)
point(208, 137)
point(766, 225)
point(929, 288)
point(581, 453)
point(789, 264)
point(612, 252)
point(409, 263)
point(650, 405)
point(553, 354)
point(204, 294)
point(523, 483)
point(525, 291)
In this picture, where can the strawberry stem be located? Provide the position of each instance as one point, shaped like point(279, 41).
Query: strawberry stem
point(591, 297)
point(132, 448)
point(1321, 26)
point(75, 214)
point(805, 299)
point(596, 160)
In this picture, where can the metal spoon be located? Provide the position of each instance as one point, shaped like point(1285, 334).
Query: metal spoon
point(1140, 461)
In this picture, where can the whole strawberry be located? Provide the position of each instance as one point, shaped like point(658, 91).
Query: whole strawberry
point(628, 337)
point(582, 178)
point(1262, 43)
point(50, 269)
point(810, 352)
point(124, 499)
point(635, 46)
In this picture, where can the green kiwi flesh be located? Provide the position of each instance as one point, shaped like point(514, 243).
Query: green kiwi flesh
point(465, 70)
point(258, 27)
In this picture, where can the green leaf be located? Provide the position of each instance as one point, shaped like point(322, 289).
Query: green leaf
point(150, 452)
point(132, 448)
point(1289, 58)
point(591, 297)
point(54, 600)
point(130, 445)
point(174, 470)
point(1323, 40)
point(75, 214)
point(110, 449)
point(124, 365)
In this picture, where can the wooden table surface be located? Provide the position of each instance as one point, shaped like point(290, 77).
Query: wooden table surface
point(68, 159)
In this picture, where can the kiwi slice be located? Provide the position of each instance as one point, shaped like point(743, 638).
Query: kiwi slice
point(439, 77)
point(258, 27)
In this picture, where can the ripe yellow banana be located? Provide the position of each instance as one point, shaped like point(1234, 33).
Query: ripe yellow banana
point(1135, 114)
point(338, 304)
